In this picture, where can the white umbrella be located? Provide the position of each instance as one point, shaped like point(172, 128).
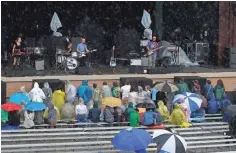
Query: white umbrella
point(55, 22)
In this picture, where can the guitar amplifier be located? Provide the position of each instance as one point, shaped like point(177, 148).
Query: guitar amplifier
point(136, 62)
point(39, 65)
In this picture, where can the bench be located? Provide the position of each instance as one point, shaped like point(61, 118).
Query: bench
point(207, 137)
point(201, 132)
point(211, 141)
point(201, 128)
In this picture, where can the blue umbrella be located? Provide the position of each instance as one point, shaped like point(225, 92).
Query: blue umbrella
point(193, 100)
point(35, 106)
point(132, 140)
point(18, 97)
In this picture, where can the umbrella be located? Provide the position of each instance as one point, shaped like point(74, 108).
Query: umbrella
point(111, 102)
point(166, 87)
point(193, 100)
point(35, 106)
point(169, 142)
point(18, 97)
point(11, 107)
point(132, 140)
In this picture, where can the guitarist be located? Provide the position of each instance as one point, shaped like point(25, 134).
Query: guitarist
point(82, 48)
point(152, 45)
point(16, 52)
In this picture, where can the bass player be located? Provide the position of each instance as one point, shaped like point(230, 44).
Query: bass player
point(153, 45)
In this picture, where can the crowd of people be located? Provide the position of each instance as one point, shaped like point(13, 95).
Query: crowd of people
point(147, 106)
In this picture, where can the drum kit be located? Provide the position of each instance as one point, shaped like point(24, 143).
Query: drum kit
point(69, 61)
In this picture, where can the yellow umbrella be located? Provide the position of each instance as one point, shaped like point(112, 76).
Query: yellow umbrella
point(111, 102)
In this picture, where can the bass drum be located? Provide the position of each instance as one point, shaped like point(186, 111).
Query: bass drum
point(71, 63)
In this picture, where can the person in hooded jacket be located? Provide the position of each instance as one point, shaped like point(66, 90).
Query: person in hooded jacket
point(86, 93)
point(58, 97)
point(37, 94)
point(109, 114)
point(94, 113)
point(70, 92)
point(52, 115)
point(67, 111)
point(129, 110)
point(47, 92)
point(29, 119)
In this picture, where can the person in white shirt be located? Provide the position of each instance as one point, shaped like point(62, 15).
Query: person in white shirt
point(70, 92)
point(125, 90)
point(37, 94)
point(81, 111)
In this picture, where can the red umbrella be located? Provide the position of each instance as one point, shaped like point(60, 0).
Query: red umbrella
point(10, 107)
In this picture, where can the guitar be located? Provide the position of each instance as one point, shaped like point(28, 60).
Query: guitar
point(82, 54)
point(113, 60)
point(150, 52)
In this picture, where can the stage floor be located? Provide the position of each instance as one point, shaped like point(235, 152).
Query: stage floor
point(107, 70)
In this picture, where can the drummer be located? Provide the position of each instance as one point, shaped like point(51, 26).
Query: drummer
point(69, 47)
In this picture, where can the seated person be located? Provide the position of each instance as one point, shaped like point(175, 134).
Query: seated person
point(67, 111)
point(81, 111)
point(151, 118)
point(134, 118)
point(94, 113)
point(163, 110)
point(118, 114)
point(38, 117)
point(109, 114)
point(129, 110)
point(178, 117)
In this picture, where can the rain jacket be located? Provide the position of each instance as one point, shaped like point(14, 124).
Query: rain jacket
point(58, 98)
point(150, 117)
point(163, 110)
point(67, 111)
point(45, 115)
point(115, 92)
point(52, 114)
point(38, 117)
point(97, 96)
point(134, 119)
point(70, 92)
point(177, 117)
point(37, 94)
point(94, 114)
point(29, 119)
point(4, 116)
point(219, 92)
point(212, 106)
point(208, 91)
point(109, 115)
point(129, 110)
point(84, 92)
point(47, 91)
point(183, 87)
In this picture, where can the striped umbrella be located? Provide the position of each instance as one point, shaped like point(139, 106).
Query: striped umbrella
point(166, 87)
point(193, 100)
point(169, 142)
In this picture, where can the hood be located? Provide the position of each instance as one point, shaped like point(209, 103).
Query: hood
point(177, 106)
point(140, 89)
point(85, 82)
point(81, 101)
point(36, 85)
point(160, 103)
point(46, 85)
point(50, 106)
point(130, 105)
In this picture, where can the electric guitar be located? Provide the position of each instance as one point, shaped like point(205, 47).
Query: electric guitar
point(150, 52)
point(113, 60)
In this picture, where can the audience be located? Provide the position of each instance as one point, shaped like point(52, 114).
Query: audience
point(125, 90)
point(29, 119)
point(134, 118)
point(52, 116)
point(81, 111)
point(183, 87)
point(106, 90)
point(97, 95)
point(94, 113)
point(47, 91)
point(37, 94)
point(109, 114)
point(58, 97)
point(115, 90)
point(129, 110)
point(208, 90)
point(151, 118)
point(67, 111)
point(162, 109)
point(70, 92)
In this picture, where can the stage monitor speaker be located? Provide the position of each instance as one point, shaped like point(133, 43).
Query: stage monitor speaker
point(53, 83)
point(136, 62)
point(136, 70)
point(3, 92)
point(136, 81)
point(83, 70)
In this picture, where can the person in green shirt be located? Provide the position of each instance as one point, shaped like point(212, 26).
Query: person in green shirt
point(134, 118)
point(183, 87)
point(4, 116)
point(129, 110)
